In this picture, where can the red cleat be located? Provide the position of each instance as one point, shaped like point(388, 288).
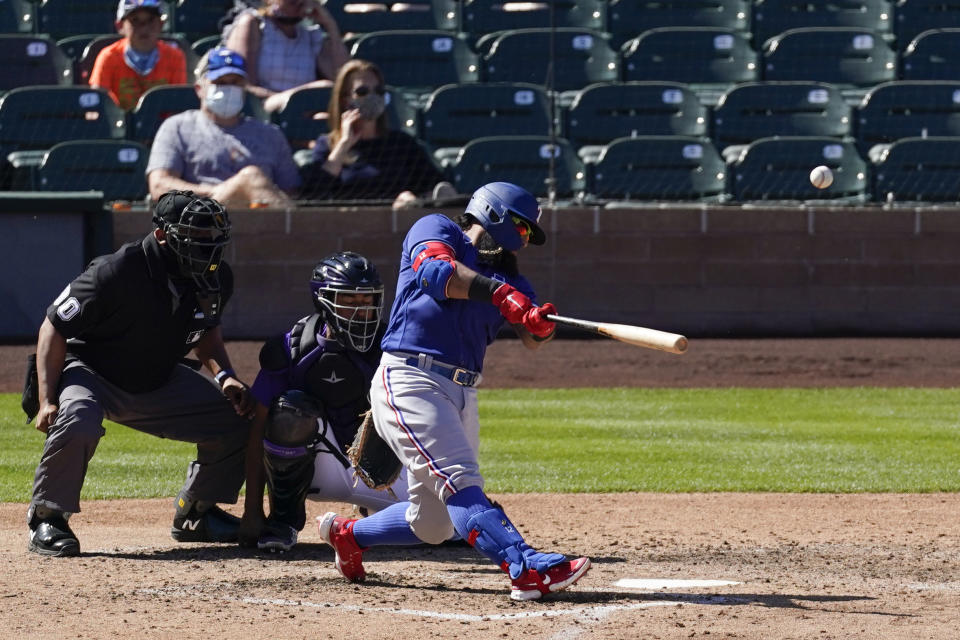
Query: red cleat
point(532, 585)
point(337, 532)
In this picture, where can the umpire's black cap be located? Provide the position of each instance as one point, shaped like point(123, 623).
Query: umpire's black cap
point(170, 207)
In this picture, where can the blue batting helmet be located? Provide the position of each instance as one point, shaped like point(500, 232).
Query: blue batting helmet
point(494, 205)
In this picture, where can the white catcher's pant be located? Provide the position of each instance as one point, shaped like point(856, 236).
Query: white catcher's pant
point(433, 425)
point(333, 483)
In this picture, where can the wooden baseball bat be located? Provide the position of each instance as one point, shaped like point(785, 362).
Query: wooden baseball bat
point(639, 336)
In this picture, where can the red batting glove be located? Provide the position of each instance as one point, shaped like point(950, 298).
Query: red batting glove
point(512, 304)
point(535, 320)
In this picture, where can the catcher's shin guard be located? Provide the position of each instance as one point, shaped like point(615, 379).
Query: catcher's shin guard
point(288, 456)
point(492, 533)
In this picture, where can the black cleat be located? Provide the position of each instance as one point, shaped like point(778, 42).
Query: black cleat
point(53, 537)
point(213, 525)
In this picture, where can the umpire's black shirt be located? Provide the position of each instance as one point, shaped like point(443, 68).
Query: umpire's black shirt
point(129, 320)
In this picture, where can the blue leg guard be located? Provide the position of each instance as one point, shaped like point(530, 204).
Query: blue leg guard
point(492, 533)
point(389, 526)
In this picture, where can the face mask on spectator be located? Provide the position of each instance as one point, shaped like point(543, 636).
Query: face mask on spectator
point(224, 100)
point(370, 105)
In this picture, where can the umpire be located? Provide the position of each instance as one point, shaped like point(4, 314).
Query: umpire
point(112, 345)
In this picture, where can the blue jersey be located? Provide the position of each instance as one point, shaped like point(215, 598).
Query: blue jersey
point(456, 332)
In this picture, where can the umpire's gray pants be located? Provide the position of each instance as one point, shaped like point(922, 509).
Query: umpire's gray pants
point(189, 407)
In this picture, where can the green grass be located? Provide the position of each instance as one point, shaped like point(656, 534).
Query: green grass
point(609, 440)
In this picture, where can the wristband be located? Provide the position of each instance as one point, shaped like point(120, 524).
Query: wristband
point(223, 375)
point(481, 289)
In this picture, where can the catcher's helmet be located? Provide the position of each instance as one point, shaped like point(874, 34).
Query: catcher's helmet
point(495, 204)
point(197, 230)
point(348, 273)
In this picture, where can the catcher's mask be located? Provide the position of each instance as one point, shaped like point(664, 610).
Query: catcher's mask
point(338, 282)
point(510, 214)
point(197, 230)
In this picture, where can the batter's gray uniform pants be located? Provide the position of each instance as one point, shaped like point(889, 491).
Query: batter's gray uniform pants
point(189, 407)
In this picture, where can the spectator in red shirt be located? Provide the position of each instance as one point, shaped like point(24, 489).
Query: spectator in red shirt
point(140, 60)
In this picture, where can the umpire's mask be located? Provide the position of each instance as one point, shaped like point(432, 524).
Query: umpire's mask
point(197, 230)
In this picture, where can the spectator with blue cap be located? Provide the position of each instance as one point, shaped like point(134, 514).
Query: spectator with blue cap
point(217, 151)
point(139, 60)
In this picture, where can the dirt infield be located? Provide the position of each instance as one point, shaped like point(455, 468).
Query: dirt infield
point(795, 566)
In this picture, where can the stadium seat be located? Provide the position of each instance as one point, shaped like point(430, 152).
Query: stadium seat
point(773, 17)
point(602, 113)
point(155, 106)
point(658, 168)
point(198, 18)
point(583, 57)
point(779, 169)
point(74, 46)
point(419, 60)
point(16, 16)
point(933, 55)
point(365, 17)
point(486, 16)
point(114, 167)
point(523, 160)
point(201, 46)
point(32, 60)
point(298, 119)
point(905, 109)
point(62, 18)
point(455, 114)
point(627, 19)
point(84, 65)
point(913, 17)
point(694, 55)
point(919, 169)
point(749, 112)
point(856, 57)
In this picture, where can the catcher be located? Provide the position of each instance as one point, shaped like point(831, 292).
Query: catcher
point(311, 396)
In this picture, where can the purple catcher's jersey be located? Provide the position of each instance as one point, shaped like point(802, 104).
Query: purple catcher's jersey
point(456, 332)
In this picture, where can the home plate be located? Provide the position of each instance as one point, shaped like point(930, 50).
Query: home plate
point(662, 583)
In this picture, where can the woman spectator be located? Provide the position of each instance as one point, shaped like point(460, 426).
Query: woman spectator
point(361, 158)
point(284, 55)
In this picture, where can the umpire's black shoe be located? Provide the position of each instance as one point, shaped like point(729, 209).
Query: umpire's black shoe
point(53, 537)
point(213, 525)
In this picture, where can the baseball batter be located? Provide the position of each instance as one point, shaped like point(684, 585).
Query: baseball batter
point(311, 393)
point(458, 282)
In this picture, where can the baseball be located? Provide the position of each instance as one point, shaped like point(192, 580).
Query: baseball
point(821, 177)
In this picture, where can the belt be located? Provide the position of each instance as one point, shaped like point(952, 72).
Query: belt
point(463, 377)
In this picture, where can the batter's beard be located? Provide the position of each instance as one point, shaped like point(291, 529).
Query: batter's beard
point(491, 253)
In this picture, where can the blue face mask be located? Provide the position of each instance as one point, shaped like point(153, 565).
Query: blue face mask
point(142, 63)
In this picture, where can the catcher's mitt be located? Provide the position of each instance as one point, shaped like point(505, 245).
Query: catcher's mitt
point(373, 461)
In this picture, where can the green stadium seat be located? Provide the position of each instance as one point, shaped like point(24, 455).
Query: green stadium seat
point(627, 19)
point(32, 60)
point(602, 113)
point(773, 17)
point(523, 160)
point(155, 106)
point(851, 57)
point(115, 167)
point(62, 18)
point(583, 57)
point(74, 46)
point(779, 169)
point(913, 17)
point(919, 169)
point(198, 18)
point(658, 168)
point(933, 55)
point(201, 46)
point(419, 60)
point(485, 16)
point(365, 17)
point(303, 118)
point(693, 55)
point(749, 112)
point(905, 109)
point(16, 16)
point(455, 114)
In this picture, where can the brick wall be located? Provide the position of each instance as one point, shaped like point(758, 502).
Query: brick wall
point(715, 271)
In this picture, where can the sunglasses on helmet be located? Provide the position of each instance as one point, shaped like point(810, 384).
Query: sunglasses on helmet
point(523, 227)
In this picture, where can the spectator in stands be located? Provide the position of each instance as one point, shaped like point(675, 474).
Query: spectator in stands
point(218, 152)
point(361, 158)
point(139, 60)
point(284, 55)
